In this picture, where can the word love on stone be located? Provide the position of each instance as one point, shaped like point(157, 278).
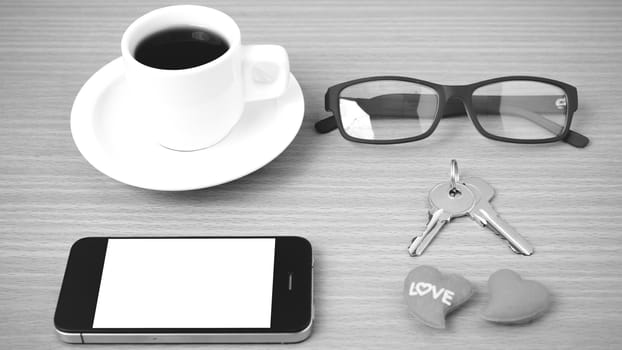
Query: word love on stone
point(423, 288)
point(431, 294)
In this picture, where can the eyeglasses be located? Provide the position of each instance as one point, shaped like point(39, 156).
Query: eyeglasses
point(388, 109)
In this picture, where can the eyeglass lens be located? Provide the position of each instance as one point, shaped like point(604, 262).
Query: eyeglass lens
point(524, 110)
point(387, 109)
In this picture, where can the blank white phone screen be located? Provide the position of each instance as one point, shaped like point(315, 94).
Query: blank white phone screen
point(186, 283)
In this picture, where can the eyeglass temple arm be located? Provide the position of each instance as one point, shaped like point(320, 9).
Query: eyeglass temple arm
point(382, 104)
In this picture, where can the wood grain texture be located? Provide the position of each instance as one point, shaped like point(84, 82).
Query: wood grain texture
point(359, 205)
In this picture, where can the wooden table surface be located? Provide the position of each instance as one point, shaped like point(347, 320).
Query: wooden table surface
point(359, 205)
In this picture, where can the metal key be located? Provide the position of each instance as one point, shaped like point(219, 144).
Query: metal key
point(447, 201)
point(483, 213)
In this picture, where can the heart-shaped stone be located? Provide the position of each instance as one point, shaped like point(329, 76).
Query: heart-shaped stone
point(514, 300)
point(431, 295)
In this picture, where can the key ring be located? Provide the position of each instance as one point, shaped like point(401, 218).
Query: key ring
point(454, 174)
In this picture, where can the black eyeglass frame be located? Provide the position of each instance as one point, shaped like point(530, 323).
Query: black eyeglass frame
point(446, 93)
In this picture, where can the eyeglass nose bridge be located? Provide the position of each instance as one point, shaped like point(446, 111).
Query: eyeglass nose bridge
point(456, 91)
point(458, 101)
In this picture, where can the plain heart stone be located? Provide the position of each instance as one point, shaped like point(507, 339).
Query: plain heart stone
point(514, 300)
point(431, 295)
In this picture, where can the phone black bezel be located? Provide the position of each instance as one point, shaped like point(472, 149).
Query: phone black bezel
point(291, 309)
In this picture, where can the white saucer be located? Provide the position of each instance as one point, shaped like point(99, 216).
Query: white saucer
point(114, 139)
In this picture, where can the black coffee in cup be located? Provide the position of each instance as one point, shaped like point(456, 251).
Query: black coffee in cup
point(180, 48)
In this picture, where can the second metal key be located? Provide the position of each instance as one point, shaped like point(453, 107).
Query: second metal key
point(483, 213)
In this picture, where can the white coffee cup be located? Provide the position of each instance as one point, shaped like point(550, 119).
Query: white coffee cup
point(195, 108)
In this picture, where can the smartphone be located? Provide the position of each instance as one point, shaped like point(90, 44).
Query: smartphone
point(187, 290)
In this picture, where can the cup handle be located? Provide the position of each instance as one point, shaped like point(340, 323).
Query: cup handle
point(265, 70)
